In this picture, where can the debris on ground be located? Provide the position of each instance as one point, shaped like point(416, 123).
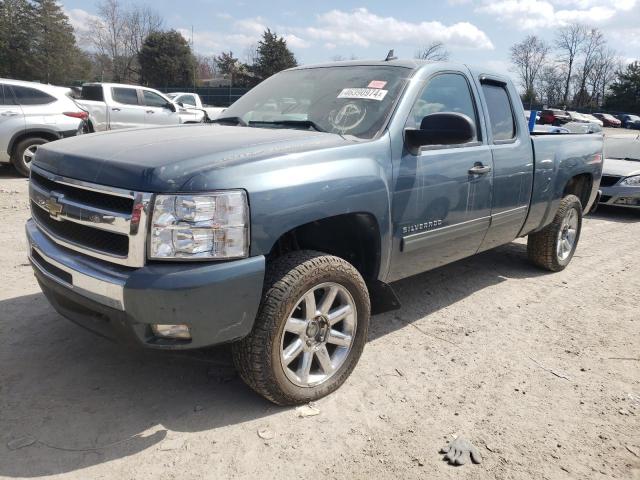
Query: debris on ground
point(460, 452)
point(266, 433)
point(308, 410)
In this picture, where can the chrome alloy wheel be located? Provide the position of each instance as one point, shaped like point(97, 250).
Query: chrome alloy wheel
point(567, 235)
point(28, 154)
point(318, 334)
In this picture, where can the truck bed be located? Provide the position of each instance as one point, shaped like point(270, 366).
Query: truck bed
point(559, 157)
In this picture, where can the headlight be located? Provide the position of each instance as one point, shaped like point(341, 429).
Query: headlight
point(631, 181)
point(204, 226)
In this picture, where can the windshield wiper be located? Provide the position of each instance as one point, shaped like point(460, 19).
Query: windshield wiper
point(232, 120)
point(292, 123)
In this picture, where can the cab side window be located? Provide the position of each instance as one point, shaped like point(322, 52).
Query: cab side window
point(503, 125)
point(153, 99)
point(127, 96)
point(447, 92)
point(187, 100)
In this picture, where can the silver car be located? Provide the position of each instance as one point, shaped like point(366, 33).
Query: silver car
point(32, 114)
point(620, 183)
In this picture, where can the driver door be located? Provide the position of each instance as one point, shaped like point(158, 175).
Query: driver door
point(441, 207)
point(157, 111)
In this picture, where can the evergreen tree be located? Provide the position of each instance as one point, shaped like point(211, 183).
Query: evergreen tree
point(16, 60)
point(273, 55)
point(37, 43)
point(239, 73)
point(625, 92)
point(166, 60)
point(55, 53)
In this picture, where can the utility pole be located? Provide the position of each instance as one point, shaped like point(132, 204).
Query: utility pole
point(193, 52)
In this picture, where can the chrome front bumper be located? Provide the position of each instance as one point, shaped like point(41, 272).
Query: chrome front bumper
point(218, 300)
point(99, 281)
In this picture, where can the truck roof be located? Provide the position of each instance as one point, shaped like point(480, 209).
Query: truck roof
point(412, 64)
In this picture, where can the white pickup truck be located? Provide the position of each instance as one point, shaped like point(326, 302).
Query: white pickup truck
point(193, 100)
point(113, 106)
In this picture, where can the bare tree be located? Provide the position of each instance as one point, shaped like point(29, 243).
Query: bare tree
point(206, 67)
point(528, 57)
point(108, 35)
point(119, 33)
point(592, 48)
point(550, 84)
point(251, 54)
point(569, 42)
point(434, 51)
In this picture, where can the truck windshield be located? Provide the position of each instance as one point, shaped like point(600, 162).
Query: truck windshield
point(349, 100)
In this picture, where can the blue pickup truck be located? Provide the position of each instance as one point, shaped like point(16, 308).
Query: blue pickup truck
point(281, 227)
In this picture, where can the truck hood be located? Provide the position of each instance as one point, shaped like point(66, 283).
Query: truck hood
point(165, 158)
point(621, 168)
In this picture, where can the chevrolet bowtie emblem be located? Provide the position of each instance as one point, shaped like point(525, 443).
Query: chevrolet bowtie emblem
point(53, 206)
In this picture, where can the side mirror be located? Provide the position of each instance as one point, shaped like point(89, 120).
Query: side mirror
point(181, 104)
point(171, 106)
point(442, 128)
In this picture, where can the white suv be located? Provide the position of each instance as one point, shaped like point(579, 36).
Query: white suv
point(32, 114)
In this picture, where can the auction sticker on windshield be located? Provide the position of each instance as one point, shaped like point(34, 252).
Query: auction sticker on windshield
point(363, 93)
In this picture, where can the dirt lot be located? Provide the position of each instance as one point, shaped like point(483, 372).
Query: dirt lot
point(540, 371)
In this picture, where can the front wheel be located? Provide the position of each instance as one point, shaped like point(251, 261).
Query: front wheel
point(310, 330)
point(552, 248)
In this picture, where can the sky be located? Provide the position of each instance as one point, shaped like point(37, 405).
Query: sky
point(474, 31)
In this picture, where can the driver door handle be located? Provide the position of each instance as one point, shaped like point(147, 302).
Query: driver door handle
point(9, 113)
point(115, 109)
point(479, 169)
point(150, 111)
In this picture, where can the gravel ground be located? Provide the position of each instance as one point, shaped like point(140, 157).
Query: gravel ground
point(540, 371)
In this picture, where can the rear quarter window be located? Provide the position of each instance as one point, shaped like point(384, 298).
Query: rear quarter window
point(31, 96)
point(503, 124)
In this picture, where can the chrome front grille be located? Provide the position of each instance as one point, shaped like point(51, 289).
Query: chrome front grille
point(96, 220)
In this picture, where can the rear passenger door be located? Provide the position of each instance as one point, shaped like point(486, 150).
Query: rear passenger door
point(157, 111)
point(125, 110)
point(11, 120)
point(441, 206)
point(39, 108)
point(512, 162)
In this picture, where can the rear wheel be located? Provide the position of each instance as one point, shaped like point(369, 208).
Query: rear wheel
point(310, 330)
point(553, 247)
point(25, 152)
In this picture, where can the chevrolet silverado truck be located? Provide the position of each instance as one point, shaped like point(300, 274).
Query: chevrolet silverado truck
point(282, 227)
point(112, 106)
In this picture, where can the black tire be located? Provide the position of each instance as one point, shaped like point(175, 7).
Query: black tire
point(17, 159)
point(542, 246)
point(288, 278)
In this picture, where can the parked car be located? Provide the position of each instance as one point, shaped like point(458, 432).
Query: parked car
point(621, 172)
point(592, 119)
point(193, 100)
point(554, 117)
point(32, 114)
point(608, 120)
point(281, 231)
point(630, 121)
point(112, 106)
